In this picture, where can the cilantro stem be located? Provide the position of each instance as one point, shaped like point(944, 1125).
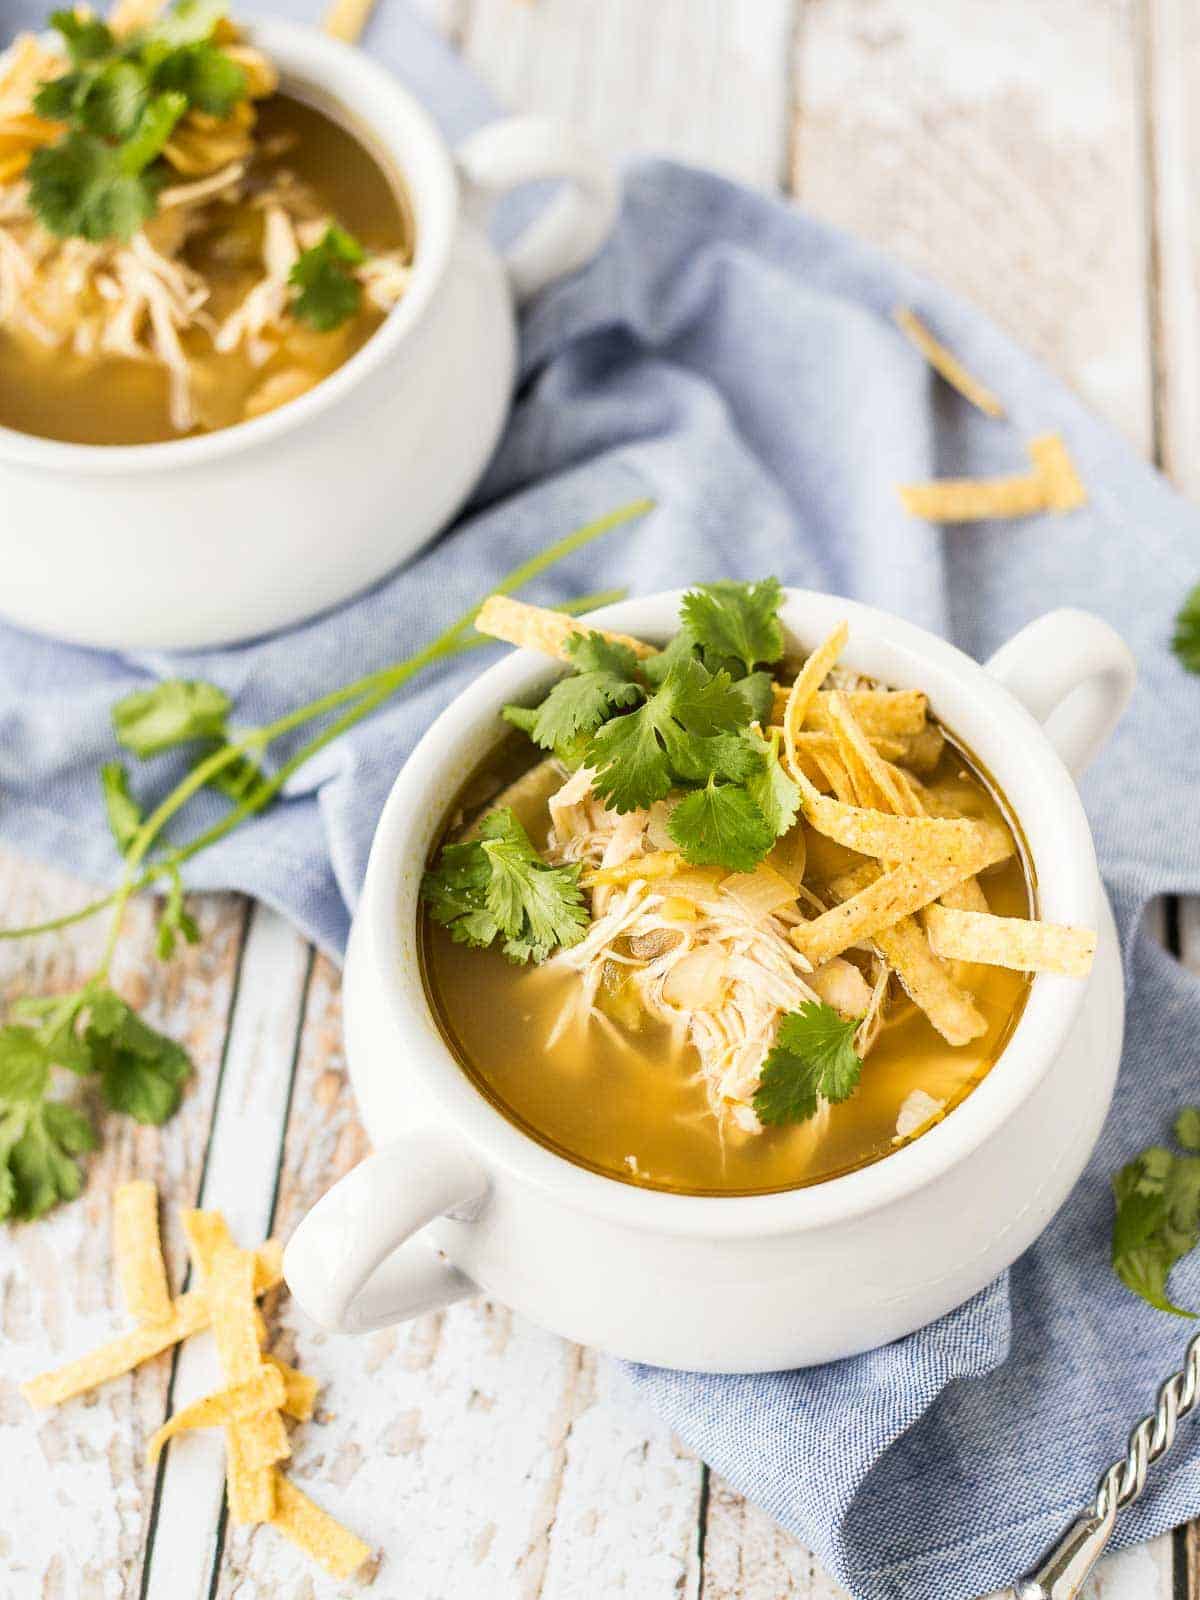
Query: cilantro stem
point(365, 693)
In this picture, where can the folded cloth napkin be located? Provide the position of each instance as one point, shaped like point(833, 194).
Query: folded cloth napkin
point(736, 361)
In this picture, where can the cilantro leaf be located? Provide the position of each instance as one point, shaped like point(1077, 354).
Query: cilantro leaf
point(58, 98)
point(570, 752)
point(78, 187)
point(656, 668)
point(187, 22)
point(497, 884)
point(87, 38)
point(1156, 1222)
point(39, 1138)
point(142, 1072)
point(772, 791)
point(813, 1059)
point(1186, 640)
point(605, 681)
point(737, 620)
point(720, 825)
point(639, 756)
point(329, 292)
point(205, 77)
point(173, 712)
point(124, 813)
point(110, 101)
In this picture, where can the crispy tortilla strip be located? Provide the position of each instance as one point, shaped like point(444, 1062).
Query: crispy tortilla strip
point(876, 782)
point(890, 838)
point(250, 1492)
point(921, 751)
point(208, 1234)
point(961, 935)
point(1052, 484)
point(260, 1393)
point(535, 628)
point(190, 1313)
point(141, 1270)
point(894, 712)
point(804, 690)
point(299, 1389)
point(1064, 490)
point(896, 893)
point(346, 19)
point(262, 1439)
point(946, 362)
point(318, 1534)
point(923, 977)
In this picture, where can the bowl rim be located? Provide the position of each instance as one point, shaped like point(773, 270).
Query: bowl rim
point(1066, 882)
point(407, 135)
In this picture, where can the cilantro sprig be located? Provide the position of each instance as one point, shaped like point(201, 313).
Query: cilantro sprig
point(328, 292)
point(496, 886)
point(1156, 1220)
point(1186, 640)
point(813, 1059)
point(92, 1032)
point(120, 100)
point(681, 722)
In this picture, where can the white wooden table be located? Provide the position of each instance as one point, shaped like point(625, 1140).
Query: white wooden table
point(1038, 155)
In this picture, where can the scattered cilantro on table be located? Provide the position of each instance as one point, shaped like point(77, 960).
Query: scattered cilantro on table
point(813, 1059)
point(1186, 639)
point(497, 886)
point(329, 292)
point(1156, 1221)
point(120, 99)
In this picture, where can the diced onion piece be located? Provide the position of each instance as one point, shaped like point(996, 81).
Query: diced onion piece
point(841, 985)
point(760, 892)
point(697, 981)
point(918, 1111)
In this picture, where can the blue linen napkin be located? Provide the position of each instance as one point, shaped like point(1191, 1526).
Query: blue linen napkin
point(734, 359)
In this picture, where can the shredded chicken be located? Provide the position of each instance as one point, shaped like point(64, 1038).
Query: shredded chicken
point(693, 950)
point(141, 299)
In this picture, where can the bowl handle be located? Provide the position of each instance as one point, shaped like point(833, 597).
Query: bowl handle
point(570, 230)
point(353, 1263)
point(1075, 674)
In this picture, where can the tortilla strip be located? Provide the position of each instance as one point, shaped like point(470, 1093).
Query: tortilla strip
point(946, 363)
point(1052, 484)
point(923, 977)
point(346, 19)
point(1023, 946)
point(891, 838)
point(536, 628)
point(872, 777)
point(654, 864)
point(129, 15)
point(803, 691)
point(265, 1390)
point(190, 1313)
point(250, 1493)
point(262, 1438)
point(922, 751)
point(896, 893)
point(881, 713)
point(318, 1534)
point(141, 1270)
point(299, 1389)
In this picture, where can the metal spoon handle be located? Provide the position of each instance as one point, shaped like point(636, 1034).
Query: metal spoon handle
point(1062, 1571)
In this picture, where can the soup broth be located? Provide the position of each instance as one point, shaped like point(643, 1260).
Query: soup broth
point(58, 380)
point(622, 1096)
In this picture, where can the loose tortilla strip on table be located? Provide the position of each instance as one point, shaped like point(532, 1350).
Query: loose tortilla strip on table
point(923, 977)
point(262, 1438)
point(945, 362)
point(535, 628)
point(141, 1270)
point(1051, 485)
point(896, 893)
point(250, 1492)
point(264, 1391)
point(1024, 946)
point(299, 1389)
point(346, 19)
point(318, 1534)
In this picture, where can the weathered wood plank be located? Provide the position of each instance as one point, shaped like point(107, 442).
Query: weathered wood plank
point(77, 1493)
point(698, 79)
point(239, 1179)
point(747, 1556)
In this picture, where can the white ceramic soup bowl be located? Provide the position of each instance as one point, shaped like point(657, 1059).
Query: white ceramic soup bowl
point(203, 540)
point(457, 1199)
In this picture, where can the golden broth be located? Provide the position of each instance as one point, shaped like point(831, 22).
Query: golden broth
point(627, 1105)
point(102, 399)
